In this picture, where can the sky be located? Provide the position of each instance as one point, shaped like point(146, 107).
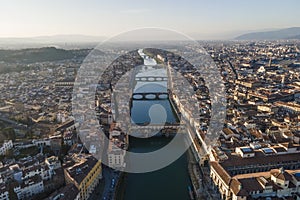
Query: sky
point(198, 18)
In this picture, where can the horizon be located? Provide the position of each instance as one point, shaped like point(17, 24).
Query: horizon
point(99, 38)
point(202, 20)
point(233, 33)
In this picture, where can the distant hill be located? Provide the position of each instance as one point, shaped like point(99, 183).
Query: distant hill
point(44, 54)
point(295, 37)
point(288, 33)
point(68, 39)
point(62, 41)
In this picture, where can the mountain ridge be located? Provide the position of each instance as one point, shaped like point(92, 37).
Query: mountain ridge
point(281, 34)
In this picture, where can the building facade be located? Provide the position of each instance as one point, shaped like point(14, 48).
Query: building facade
point(84, 171)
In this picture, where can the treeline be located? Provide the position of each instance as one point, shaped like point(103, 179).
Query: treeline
point(46, 54)
point(24, 59)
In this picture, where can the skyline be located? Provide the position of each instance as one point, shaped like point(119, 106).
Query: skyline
point(199, 19)
point(122, 100)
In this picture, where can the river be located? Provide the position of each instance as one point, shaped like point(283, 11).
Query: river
point(172, 181)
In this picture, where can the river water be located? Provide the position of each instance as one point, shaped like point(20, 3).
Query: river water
point(172, 181)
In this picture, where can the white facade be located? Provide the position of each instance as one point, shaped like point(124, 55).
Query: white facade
point(29, 189)
point(245, 152)
point(116, 158)
point(42, 142)
point(7, 145)
point(53, 163)
point(4, 195)
point(43, 171)
point(116, 154)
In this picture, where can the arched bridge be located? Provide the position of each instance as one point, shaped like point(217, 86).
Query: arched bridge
point(150, 96)
point(151, 78)
point(163, 128)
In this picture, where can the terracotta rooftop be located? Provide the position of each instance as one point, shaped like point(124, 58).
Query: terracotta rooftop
point(282, 175)
point(259, 158)
point(221, 171)
point(80, 169)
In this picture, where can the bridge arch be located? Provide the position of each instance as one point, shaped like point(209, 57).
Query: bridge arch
point(150, 96)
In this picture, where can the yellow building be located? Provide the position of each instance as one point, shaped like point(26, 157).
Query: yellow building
point(84, 171)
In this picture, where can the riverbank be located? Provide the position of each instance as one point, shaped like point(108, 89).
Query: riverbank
point(98, 194)
point(150, 54)
point(121, 187)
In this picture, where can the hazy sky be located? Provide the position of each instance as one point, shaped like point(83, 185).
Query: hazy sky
point(207, 18)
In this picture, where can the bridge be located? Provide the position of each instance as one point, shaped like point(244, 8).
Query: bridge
point(162, 129)
point(151, 78)
point(142, 96)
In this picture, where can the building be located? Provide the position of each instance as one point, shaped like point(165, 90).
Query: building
point(249, 171)
point(7, 145)
point(42, 142)
point(273, 184)
point(64, 83)
point(17, 172)
point(4, 194)
point(41, 170)
point(289, 106)
point(67, 125)
point(116, 148)
point(249, 160)
point(69, 138)
point(28, 188)
point(116, 157)
point(53, 163)
point(245, 152)
point(84, 171)
point(68, 192)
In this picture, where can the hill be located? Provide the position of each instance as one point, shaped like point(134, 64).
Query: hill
point(288, 33)
point(44, 54)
